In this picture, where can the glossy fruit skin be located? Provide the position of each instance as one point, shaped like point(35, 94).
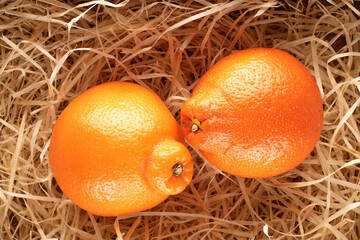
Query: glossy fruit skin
point(108, 145)
point(260, 112)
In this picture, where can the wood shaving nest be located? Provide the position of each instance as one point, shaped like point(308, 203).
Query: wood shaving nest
point(51, 51)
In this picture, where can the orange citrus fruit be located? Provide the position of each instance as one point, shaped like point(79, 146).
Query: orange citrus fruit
point(116, 149)
point(256, 113)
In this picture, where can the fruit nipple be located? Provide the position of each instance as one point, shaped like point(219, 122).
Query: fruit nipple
point(169, 168)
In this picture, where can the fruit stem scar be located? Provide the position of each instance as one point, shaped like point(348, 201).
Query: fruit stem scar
point(178, 169)
point(196, 125)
